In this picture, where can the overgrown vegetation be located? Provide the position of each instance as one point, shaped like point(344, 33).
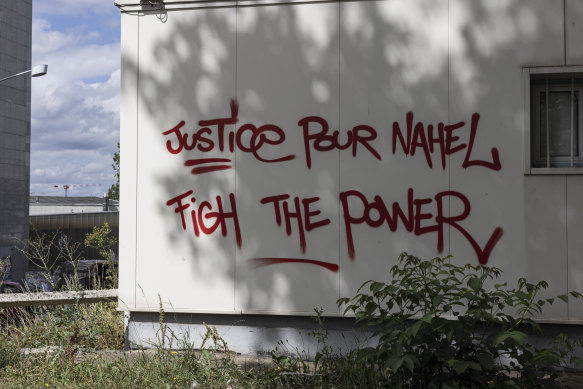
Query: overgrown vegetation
point(102, 239)
point(5, 267)
point(446, 326)
point(56, 260)
point(439, 325)
point(113, 192)
point(40, 251)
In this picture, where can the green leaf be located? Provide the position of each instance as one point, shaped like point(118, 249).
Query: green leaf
point(517, 336)
point(414, 329)
point(501, 338)
point(460, 366)
point(449, 333)
point(445, 353)
point(475, 283)
point(395, 362)
point(437, 300)
point(485, 360)
point(474, 365)
point(427, 318)
point(376, 286)
point(409, 362)
point(366, 353)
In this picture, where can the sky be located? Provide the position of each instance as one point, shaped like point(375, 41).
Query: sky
point(75, 106)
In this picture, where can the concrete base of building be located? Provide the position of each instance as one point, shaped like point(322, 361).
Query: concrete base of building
point(259, 335)
point(247, 334)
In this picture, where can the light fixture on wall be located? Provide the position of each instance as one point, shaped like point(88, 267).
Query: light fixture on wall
point(37, 71)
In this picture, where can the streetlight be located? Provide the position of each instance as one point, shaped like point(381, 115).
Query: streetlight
point(37, 71)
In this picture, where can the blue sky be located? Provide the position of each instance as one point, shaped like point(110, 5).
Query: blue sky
point(75, 107)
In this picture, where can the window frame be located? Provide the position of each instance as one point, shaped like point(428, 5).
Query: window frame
point(529, 74)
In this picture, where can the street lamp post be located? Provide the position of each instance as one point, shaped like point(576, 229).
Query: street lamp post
point(37, 71)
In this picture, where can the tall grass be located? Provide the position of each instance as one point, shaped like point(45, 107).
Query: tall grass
point(81, 346)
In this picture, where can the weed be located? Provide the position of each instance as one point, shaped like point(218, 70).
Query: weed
point(41, 252)
point(8, 354)
point(69, 252)
point(101, 238)
point(5, 267)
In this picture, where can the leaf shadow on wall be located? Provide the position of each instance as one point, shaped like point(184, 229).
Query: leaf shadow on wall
point(281, 64)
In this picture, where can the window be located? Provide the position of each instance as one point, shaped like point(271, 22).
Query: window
point(556, 122)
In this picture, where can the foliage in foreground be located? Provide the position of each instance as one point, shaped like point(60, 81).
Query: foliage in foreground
point(102, 239)
point(113, 191)
point(57, 257)
point(73, 347)
point(420, 346)
point(161, 368)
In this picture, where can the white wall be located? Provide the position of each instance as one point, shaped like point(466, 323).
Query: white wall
point(365, 63)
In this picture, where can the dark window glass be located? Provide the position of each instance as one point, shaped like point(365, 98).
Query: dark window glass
point(559, 124)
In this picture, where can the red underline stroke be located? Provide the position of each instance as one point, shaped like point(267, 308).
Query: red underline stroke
point(273, 261)
point(207, 169)
point(202, 161)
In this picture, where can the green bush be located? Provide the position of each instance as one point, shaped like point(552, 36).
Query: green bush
point(102, 239)
point(445, 326)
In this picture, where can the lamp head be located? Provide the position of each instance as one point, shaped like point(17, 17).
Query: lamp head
point(39, 70)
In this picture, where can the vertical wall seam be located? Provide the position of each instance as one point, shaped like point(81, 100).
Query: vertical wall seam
point(449, 121)
point(339, 124)
point(567, 238)
point(236, 191)
point(564, 32)
point(137, 167)
point(566, 177)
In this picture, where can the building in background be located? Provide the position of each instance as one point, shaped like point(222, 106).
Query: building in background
point(74, 217)
point(50, 205)
point(15, 57)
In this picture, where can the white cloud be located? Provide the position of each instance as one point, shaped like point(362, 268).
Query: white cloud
point(45, 177)
point(71, 56)
point(74, 7)
point(46, 40)
point(75, 106)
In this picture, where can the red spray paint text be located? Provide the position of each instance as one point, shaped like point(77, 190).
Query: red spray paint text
point(266, 143)
point(376, 213)
point(425, 137)
point(222, 134)
point(303, 219)
point(198, 217)
point(247, 138)
point(357, 209)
